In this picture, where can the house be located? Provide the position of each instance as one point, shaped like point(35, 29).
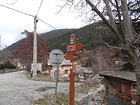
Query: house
point(64, 69)
point(18, 64)
point(82, 73)
point(121, 84)
point(88, 74)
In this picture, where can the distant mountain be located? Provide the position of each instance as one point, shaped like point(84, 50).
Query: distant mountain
point(47, 36)
point(56, 33)
point(13, 46)
point(89, 36)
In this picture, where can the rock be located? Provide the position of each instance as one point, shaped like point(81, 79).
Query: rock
point(96, 94)
point(82, 99)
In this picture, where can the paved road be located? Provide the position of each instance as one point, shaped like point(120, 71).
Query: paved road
point(16, 89)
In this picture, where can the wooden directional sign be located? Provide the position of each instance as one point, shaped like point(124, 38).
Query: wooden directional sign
point(71, 56)
point(74, 47)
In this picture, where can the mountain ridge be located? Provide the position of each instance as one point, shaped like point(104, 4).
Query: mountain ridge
point(89, 36)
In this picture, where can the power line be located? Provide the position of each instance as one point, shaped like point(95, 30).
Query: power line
point(46, 23)
point(39, 7)
point(16, 10)
point(42, 20)
point(29, 14)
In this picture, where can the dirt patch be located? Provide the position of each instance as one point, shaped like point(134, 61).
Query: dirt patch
point(62, 99)
point(44, 89)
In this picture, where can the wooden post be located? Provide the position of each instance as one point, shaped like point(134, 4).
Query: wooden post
point(72, 74)
point(72, 56)
point(72, 86)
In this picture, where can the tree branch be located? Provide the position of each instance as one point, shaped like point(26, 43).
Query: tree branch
point(105, 20)
point(119, 17)
point(112, 3)
point(61, 7)
point(114, 47)
point(110, 15)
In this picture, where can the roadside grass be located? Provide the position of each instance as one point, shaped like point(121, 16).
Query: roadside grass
point(62, 99)
point(85, 87)
point(39, 77)
point(42, 77)
point(27, 73)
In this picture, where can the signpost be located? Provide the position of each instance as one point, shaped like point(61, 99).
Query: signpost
point(72, 56)
point(56, 58)
point(74, 47)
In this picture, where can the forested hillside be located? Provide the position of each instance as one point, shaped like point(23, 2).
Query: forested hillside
point(89, 36)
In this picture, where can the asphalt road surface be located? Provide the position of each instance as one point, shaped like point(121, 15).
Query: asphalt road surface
point(16, 89)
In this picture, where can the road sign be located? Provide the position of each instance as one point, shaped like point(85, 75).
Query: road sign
point(74, 47)
point(71, 56)
point(56, 58)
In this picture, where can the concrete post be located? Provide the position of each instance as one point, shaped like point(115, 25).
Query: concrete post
point(35, 48)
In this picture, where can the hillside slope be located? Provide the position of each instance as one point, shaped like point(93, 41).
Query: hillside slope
point(56, 33)
point(46, 36)
point(89, 36)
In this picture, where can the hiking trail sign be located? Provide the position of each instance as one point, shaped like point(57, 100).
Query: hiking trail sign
point(72, 55)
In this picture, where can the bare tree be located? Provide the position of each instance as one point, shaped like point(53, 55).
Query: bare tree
point(127, 37)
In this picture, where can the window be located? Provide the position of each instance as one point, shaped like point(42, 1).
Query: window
point(66, 72)
point(133, 86)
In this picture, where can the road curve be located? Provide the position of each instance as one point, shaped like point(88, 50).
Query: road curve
point(16, 89)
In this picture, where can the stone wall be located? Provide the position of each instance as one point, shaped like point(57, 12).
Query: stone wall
point(8, 70)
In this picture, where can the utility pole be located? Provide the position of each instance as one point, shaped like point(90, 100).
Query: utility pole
point(0, 42)
point(35, 48)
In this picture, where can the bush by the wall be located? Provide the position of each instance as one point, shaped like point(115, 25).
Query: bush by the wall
point(7, 65)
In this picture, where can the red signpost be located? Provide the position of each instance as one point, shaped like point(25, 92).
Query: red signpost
point(74, 47)
point(72, 56)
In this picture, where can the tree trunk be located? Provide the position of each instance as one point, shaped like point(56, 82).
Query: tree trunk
point(129, 36)
point(110, 15)
point(93, 7)
point(138, 81)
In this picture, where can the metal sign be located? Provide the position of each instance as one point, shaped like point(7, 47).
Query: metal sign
point(56, 58)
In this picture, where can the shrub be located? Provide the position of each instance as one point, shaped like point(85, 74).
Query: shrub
point(9, 65)
point(2, 66)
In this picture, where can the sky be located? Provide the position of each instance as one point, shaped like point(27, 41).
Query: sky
point(13, 23)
